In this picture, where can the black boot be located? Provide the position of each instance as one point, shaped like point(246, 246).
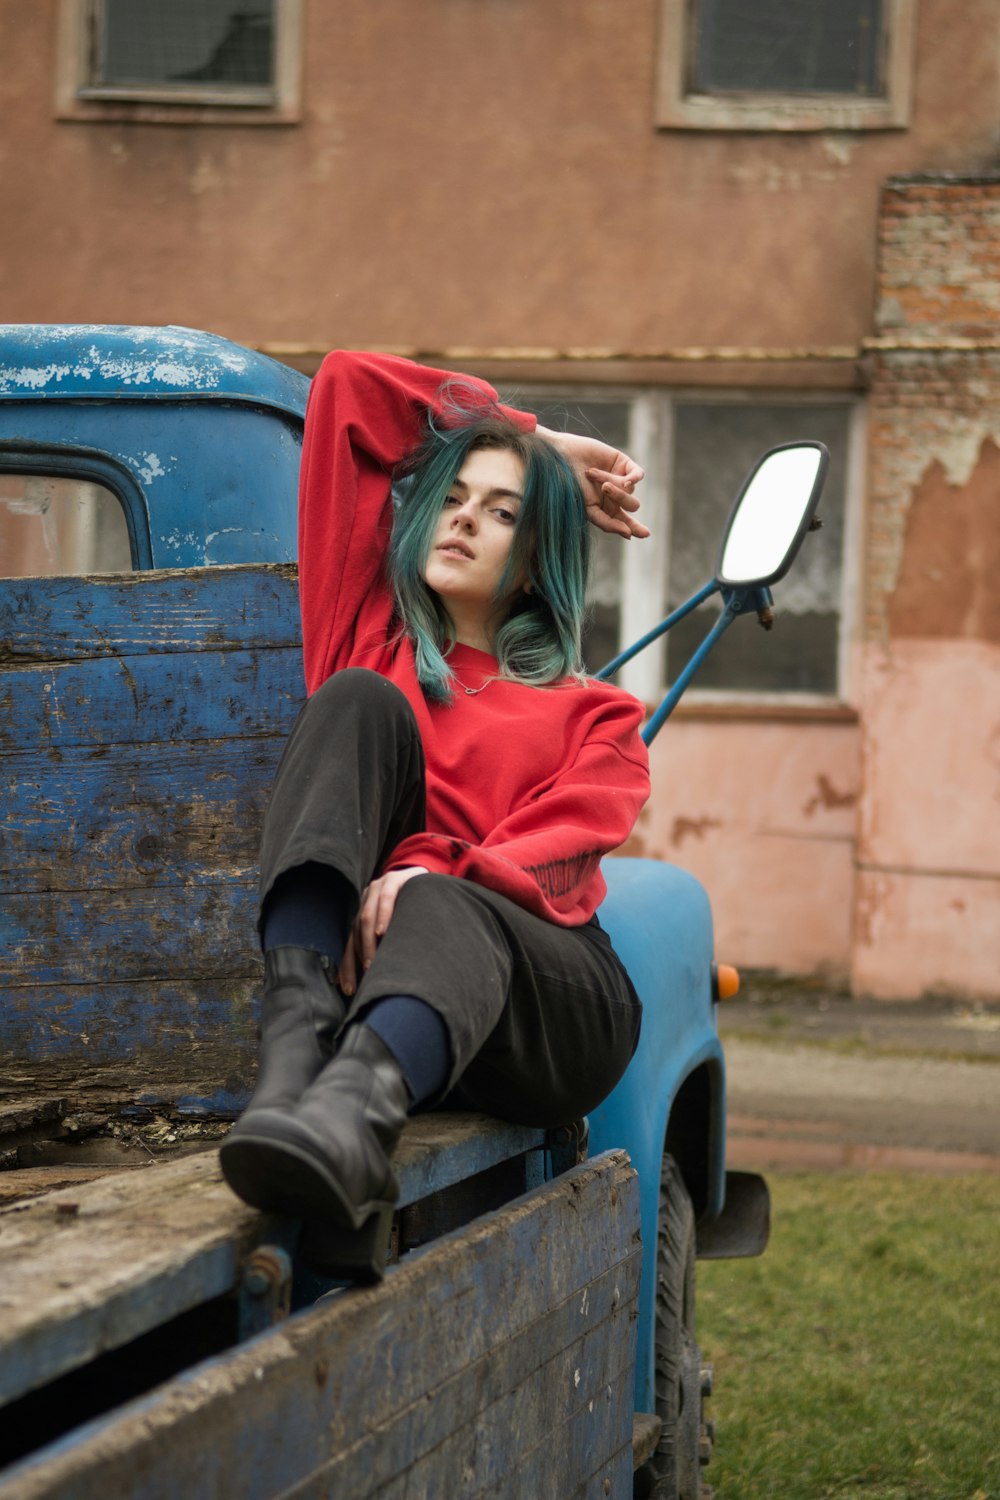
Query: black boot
point(301, 1014)
point(327, 1160)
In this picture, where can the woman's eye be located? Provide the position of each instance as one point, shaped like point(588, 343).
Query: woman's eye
point(505, 515)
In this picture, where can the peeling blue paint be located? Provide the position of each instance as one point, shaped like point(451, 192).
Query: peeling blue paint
point(88, 360)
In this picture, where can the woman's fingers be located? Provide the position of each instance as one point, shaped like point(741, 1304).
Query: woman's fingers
point(347, 970)
point(613, 508)
point(375, 913)
point(616, 502)
point(621, 486)
point(365, 925)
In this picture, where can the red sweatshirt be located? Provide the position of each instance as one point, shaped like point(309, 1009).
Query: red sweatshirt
point(527, 787)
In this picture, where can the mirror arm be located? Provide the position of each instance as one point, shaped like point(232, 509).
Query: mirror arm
point(658, 630)
point(736, 604)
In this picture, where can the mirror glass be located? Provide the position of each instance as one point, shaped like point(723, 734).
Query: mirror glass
point(770, 515)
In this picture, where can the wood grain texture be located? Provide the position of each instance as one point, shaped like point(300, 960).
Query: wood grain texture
point(190, 609)
point(83, 819)
point(498, 1361)
point(87, 1269)
point(104, 701)
point(167, 931)
point(137, 1249)
point(141, 721)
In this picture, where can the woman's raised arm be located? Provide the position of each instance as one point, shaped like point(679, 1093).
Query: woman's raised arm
point(366, 413)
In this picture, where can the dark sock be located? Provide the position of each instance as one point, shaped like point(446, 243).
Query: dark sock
point(309, 906)
point(418, 1039)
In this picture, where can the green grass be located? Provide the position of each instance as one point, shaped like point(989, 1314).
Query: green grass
point(860, 1355)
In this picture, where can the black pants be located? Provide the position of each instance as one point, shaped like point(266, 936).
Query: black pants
point(542, 1019)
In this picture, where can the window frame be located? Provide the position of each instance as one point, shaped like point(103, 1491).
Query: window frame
point(645, 565)
point(77, 98)
point(90, 468)
point(677, 108)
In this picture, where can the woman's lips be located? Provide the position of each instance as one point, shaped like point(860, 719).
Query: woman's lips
point(454, 549)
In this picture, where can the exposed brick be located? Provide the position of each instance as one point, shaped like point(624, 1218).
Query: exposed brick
point(938, 278)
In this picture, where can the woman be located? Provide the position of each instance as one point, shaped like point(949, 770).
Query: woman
point(430, 855)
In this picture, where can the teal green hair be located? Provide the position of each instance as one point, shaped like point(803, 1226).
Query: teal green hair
point(540, 640)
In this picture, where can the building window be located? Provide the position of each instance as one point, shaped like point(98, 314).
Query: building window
point(696, 452)
point(54, 525)
point(785, 64)
point(194, 61)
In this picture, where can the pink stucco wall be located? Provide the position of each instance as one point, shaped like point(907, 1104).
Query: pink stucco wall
point(764, 814)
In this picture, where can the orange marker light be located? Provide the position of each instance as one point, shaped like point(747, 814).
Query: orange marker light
point(725, 981)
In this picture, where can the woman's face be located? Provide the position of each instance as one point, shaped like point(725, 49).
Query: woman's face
point(473, 538)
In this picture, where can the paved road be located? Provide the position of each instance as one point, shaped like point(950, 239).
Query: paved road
point(821, 1083)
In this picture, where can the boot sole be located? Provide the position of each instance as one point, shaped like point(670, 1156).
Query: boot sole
point(280, 1176)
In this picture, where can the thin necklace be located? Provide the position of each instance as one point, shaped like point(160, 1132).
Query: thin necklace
point(471, 692)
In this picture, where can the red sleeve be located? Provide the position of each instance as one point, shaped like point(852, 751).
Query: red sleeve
point(545, 855)
point(366, 412)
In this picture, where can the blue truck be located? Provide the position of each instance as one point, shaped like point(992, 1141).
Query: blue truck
point(534, 1333)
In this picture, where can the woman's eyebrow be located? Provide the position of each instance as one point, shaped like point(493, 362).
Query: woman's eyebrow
point(497, 492)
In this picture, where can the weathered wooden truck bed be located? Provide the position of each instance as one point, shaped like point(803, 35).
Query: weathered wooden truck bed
point(498, 1360)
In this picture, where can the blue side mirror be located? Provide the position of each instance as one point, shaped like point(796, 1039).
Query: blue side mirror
point(769, 519)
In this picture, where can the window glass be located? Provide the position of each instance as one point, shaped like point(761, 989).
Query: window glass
point(220, 43)
point(788, 46)
point(608, 420)
point(715, 446)
point(52, 526)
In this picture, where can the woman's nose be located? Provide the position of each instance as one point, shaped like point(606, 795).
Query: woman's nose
point(465, 517)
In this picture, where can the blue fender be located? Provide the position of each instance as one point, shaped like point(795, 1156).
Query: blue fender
point(659, 919)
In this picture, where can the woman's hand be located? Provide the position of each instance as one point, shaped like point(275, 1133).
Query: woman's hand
point(378, 903)
point(607, 478)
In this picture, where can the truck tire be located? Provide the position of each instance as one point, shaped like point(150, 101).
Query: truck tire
point(674, 1470)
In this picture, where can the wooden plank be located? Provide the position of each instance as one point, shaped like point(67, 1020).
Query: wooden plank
point(142, 700)
point(136, 754)
point(646, 1429)
point(150, 1037)
point(164, 931)
point(537, 1404)
point(137, 1249)
point(67, 618)
point(22, 1183)
point(438, 1150)
point(25, 1113)
point(178, 1234)
point(265, 1418)
point(78, 819)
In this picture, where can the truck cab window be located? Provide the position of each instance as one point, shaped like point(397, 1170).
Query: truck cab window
point(57, 525)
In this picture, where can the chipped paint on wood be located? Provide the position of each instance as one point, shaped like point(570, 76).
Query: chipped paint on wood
point(478, 1362)
point(150, 699)
point(142, 719)
point(141, 816)
point(180, 1235)
point(44, 620)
